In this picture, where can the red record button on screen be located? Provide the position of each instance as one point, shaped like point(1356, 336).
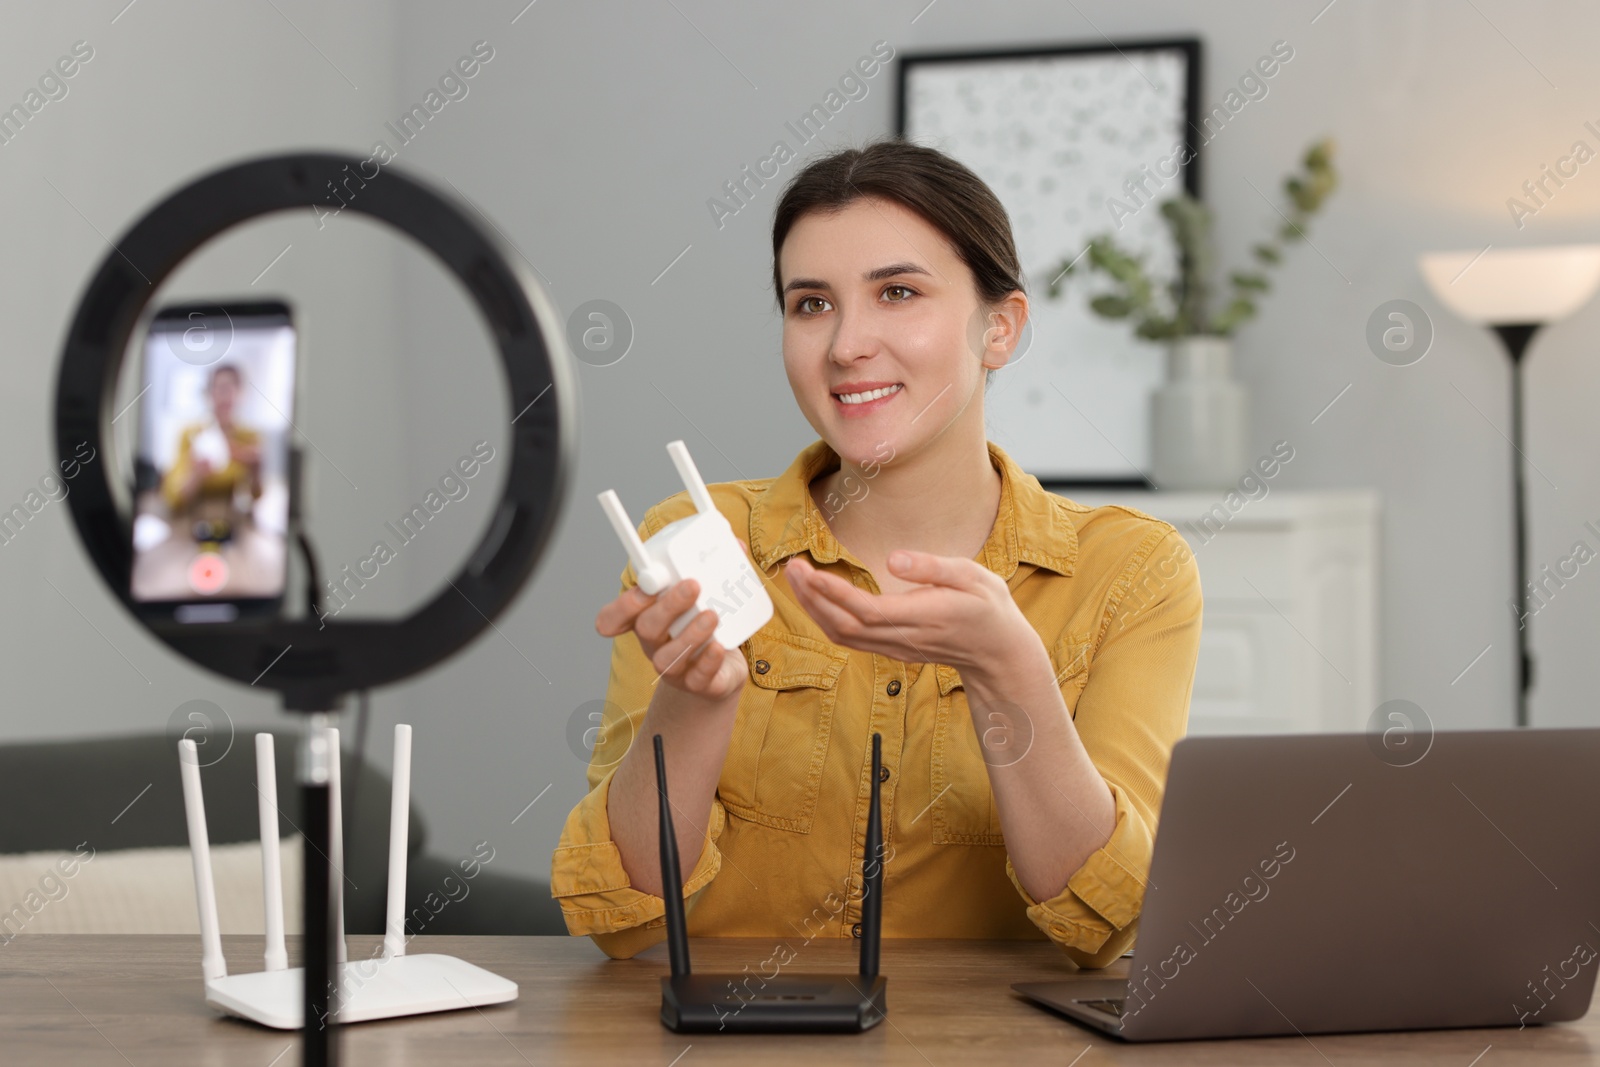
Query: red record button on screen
point(208, 573)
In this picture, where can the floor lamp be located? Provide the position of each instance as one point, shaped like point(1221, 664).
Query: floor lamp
point(1516, 291)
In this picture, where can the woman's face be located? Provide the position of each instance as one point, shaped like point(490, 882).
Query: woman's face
point(224, 395)
point(877, 302)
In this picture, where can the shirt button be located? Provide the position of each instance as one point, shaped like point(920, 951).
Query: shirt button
point(762, 666)
point(894, 688)
point(883, 774)
point(855, 931)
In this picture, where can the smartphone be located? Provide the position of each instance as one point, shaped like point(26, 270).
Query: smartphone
point(211, 468)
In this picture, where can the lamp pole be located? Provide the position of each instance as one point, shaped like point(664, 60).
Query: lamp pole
point(1515, 336)
point(1516, 291)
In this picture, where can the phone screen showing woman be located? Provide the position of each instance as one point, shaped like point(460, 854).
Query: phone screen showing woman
point(211, 497)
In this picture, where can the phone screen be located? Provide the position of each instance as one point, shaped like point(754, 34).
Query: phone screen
point(211, 494)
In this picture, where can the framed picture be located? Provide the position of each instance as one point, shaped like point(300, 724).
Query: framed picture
point(1076, 141)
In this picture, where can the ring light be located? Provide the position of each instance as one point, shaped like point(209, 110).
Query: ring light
point(313, 662)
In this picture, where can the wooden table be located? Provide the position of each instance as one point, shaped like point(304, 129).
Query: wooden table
point(92, 999)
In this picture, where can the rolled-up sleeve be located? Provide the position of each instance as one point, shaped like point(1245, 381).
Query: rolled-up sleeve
point(587, 877)
point(1133, 708)
point(592, 886)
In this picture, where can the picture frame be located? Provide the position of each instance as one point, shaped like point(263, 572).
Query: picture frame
point(1059, 132)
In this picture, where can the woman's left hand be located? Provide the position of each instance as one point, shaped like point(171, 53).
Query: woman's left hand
point(962, 615)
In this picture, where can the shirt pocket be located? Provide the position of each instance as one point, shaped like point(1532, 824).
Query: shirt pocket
point(963, 809)
point(1071, 658)
point(773, 771)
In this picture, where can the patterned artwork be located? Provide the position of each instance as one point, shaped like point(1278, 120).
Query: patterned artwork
point(1075, 143)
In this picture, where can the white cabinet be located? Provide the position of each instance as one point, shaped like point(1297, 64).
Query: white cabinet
point(1289, 641)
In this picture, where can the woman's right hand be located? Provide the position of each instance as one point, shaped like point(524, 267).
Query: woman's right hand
point(692, 662)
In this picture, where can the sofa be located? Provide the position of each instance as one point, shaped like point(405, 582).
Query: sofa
point(122, 797)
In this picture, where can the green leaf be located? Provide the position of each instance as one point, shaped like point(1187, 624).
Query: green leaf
point(1157, 329)
point(1235, 313)
point(1268, 253)
point(1125, 269)
point(1256, 282)
point(1320, 155)
point(1302, 195)
point(1111, 306)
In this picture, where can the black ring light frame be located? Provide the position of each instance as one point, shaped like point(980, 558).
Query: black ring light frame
point(314, 663)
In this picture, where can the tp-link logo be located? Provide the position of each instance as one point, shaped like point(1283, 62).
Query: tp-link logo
point(737, 594)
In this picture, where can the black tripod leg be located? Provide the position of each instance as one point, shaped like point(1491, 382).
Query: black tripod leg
point(320, 1044)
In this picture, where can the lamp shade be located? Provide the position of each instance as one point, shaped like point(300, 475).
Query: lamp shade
point(1506, 286)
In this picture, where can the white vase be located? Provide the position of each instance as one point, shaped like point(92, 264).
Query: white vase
point(1198, 418)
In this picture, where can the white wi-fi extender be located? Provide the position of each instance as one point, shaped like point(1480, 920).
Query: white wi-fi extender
point(393, 985)
point(701, 546)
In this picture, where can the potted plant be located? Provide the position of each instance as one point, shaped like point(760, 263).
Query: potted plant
point(1198, 415)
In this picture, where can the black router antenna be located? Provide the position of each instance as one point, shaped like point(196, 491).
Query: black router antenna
point(872, 873)
point(671, 876)
point(787, 1003)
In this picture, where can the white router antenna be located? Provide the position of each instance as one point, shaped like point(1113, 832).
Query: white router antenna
point(650, 578)
point(336, 841)
point(271, 862)
point(394, 931)
point(691, 478)
point(212, 964)
point(405, 985)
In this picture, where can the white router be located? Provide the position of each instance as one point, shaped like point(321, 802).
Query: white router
point(699, 546)
point(383, 988)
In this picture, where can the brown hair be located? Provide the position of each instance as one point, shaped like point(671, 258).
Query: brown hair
point(952, 199)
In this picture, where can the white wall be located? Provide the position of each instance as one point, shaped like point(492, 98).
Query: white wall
point(594, 138)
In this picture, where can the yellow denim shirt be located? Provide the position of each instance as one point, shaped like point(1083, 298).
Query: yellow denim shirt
point(1114, 596)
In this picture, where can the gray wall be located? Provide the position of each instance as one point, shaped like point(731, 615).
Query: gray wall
point(173, 90)
point(594, 139)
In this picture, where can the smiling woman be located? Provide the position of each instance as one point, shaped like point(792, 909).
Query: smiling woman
point(956, 608)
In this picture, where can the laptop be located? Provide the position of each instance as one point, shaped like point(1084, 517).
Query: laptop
point(1314, 884)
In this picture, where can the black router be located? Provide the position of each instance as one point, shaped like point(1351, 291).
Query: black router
point(787, 1003)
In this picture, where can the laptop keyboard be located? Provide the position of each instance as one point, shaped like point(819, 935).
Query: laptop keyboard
point(1110, 1007)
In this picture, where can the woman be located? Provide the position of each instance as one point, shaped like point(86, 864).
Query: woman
point(1027, 660)
point(218, 457)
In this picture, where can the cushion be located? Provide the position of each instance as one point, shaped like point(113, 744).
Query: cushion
point(139, 891)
